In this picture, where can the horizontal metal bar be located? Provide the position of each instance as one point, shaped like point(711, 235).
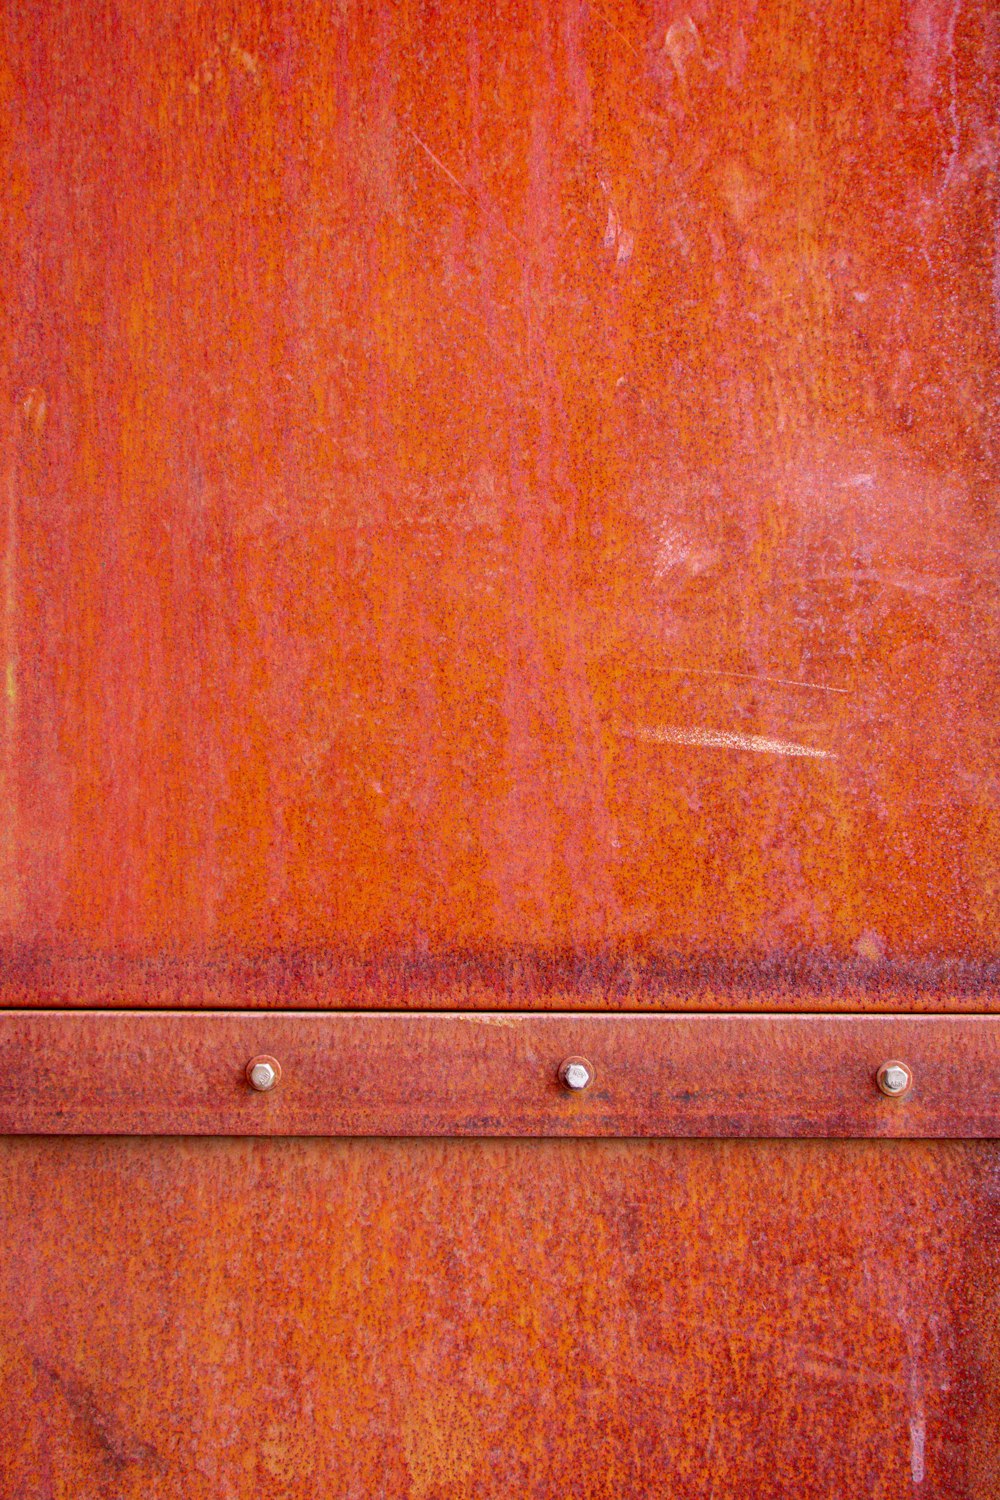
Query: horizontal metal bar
point(490, 1074)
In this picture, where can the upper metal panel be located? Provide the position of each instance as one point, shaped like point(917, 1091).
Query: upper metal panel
point(506, 481)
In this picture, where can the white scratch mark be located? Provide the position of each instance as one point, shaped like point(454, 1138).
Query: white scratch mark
point(723, 739)
point(956, 130)
point(843, 1370)
point(437, 161)
point(463, 187)
point(681, 43)
point(616, 236)
point(918, 1437)
point(917, 1420)
point(814, 687)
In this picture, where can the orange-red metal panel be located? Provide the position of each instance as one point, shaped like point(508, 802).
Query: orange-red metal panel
point(433, 1320)
point(411, 1073)
point(514, 481)
point(498, 507)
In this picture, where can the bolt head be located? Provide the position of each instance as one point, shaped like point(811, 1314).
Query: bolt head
point(576, 1073)
point(263, 1073)
point(894, 1079)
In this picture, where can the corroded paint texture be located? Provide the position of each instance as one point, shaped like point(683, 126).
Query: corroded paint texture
point(506, 480)
point(498, 506)
point(439, 1320)
point(487, 1074)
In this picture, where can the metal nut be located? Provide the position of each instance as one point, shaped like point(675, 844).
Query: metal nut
point(894, 1079)
point(576, 1073)
point(263, 1073)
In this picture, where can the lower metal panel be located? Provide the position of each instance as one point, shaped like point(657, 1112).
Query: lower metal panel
point(440, 1320)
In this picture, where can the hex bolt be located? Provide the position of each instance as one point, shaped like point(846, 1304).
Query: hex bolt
point(263, 1073)
point(576, 1073)
point(894, 1079)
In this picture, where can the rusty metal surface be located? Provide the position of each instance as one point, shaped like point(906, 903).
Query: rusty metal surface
point(498, 508)
point(498, 484)
point(517, 978)
point(437, 1320)
point(428, 1073)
